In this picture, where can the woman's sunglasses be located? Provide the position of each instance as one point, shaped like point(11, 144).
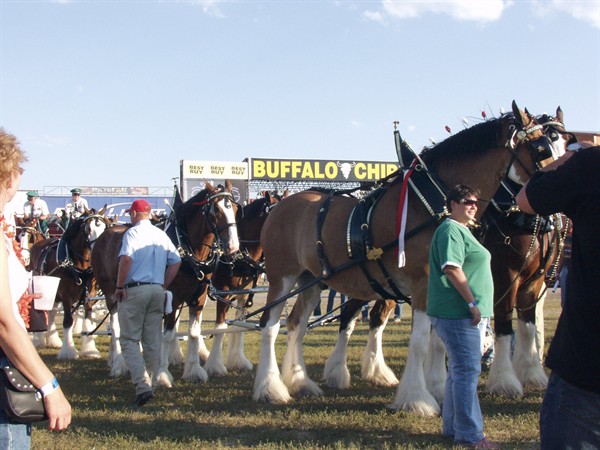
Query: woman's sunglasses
point(467, 201)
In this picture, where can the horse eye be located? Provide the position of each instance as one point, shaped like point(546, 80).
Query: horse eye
point(554, 137)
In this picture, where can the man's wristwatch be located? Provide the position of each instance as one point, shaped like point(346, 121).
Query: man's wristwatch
point(473, 304)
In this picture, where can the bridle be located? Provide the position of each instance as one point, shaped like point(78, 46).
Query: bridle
point(540, 148)
point(187, 251)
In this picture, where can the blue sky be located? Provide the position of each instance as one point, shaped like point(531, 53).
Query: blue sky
point(104, 93)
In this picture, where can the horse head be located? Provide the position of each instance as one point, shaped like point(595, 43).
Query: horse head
point(557, 135)
point(208, 218)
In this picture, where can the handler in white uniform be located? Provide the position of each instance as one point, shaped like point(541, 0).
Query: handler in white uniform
point(141, 282)
point(78, 206)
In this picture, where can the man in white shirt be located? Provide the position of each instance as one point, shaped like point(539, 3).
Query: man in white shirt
point(36, 208)
point(78, 206)
point(148, 263)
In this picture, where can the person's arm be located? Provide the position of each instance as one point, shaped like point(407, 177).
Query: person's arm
point(124, 268)
point(459, 280)
point(170, 274)
point(19, 349)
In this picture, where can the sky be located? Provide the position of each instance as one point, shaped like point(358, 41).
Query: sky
point(117, 93)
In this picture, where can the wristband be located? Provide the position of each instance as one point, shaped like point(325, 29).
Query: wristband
point(49, 388)
point(473, 304)
point(120, 287)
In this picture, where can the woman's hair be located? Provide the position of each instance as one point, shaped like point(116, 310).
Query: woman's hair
point(459, 192)
point(11, 155)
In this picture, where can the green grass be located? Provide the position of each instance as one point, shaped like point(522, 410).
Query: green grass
point(221, 413)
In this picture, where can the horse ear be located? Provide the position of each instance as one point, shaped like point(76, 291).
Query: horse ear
point(228, 186)
point(559, 115)
point(86, 211)
point(103, 210)
point(520, 116)
point(208, 186)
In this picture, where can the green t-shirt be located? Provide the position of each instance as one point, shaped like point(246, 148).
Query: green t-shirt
point(453, 244)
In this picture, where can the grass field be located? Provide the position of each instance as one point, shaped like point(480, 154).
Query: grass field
point(221, 413)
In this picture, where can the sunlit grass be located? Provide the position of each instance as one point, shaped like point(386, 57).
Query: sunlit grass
point(221, 413)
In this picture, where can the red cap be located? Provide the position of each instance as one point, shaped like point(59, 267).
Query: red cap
point(139, 206)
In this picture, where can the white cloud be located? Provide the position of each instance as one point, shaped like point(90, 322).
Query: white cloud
point(356, 123)
point(471, 10)
point(210, 7)
point(375, 16)
point(49, 141)
point(585, 10)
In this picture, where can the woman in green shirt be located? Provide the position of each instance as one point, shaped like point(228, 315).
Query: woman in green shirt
point(460, 293)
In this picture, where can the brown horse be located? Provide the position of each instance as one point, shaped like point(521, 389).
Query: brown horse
point(240, 273)
point(27, 235)
point(518, 266)
point(480, 156)
point(69, 258)
point(197, 228)
point(524, 249)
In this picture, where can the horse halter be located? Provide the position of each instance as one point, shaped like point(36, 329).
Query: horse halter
point(539, 148)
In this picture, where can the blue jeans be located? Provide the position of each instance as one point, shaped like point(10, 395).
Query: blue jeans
point(570, 417)
point(461, 414)
point(331, 298)
point(13, 436)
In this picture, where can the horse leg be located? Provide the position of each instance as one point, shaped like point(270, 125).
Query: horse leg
point(412, 394)
point(293, 369)
point(175, 354)
point(373, 366)
point(68, 350)
point(116, 360)
point(164, 377)
point(335, 373)
point(214, 364)
point(527, 365)
point(268, 386)
point(502, 379)
point(192, 369)
point(88, 342)
point(435, 367)
point(78, 320)
point(539, 327)
point(236, 359)
point(50, 337)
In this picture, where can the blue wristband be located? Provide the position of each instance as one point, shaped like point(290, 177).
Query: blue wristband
point(49, 388)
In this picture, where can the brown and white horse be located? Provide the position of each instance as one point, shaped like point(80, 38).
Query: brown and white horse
point(480, 156)
point(240, 273)
point(69, 258)
point(519, 263)
point(524, 249)
point(194, 227)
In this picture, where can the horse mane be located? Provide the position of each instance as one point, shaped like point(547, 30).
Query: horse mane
point(468, 142)
point(252, 209)
point(190, 207)
point(73, 229)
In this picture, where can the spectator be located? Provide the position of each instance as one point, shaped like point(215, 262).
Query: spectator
point(569, 415)
point(459, 293)
point(141, 282)
point(15, 345)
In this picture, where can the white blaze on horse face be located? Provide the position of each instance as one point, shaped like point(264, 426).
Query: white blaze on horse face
point(233, 242)
point(95, 228)
point(516, 177)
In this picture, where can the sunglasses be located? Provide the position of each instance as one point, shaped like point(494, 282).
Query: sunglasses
point(467, 201)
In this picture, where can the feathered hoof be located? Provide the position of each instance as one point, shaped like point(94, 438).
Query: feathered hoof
point(272, 393)
point(423, 405)
point(196, 374)
point(164, 379)
point(67, 353)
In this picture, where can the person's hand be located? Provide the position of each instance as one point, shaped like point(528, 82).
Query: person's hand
point(58, 410)
point(476, 314)
point(121, 295)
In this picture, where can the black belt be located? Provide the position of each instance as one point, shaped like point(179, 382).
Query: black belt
point(138, 283)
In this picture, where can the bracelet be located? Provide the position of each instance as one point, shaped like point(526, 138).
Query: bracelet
point(120, 287)
point(49, 388)
point(472, 304)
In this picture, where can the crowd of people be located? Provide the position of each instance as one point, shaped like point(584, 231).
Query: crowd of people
point(459, 303)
